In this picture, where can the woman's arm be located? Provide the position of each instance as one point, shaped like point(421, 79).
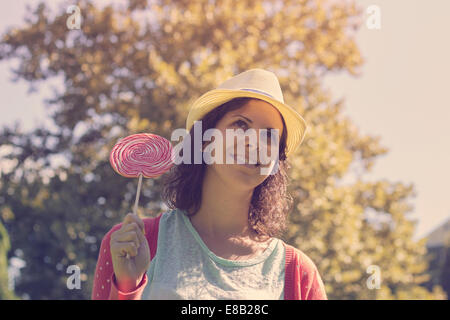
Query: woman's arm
point(313, 287)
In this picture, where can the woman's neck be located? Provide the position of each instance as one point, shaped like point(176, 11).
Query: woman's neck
point(223, 211)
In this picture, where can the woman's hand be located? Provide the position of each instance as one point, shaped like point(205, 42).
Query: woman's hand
point(129, 239)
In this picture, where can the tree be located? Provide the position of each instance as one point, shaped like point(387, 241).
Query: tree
point(5, 292)
point(137, 69)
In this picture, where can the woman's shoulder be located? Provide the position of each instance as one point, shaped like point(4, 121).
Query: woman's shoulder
point(312, 286)
point(300, 257)
point(161, 215)
point(148, 221)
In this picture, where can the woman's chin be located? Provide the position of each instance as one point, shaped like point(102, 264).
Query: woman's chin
point(241, 175)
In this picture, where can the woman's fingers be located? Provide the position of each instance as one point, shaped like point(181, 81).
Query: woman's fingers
point(122, 248)
point(132, 218)
point(129, 236)
point(141, 237)
point(130, 227)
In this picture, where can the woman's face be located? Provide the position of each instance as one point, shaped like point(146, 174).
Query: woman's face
point(257, 115)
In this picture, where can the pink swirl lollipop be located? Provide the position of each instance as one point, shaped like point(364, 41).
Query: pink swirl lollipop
point(141, 154)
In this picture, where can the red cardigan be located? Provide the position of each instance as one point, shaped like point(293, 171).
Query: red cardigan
point(302, 279)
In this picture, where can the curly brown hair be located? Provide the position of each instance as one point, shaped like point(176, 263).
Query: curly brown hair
point(270, 203)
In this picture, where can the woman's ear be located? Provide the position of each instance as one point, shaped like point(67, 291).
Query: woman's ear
point(205, 143)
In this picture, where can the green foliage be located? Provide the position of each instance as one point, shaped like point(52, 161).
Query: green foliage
point(127, 71)
point(5, 293)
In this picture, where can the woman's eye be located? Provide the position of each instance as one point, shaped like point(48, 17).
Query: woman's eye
point(241, 123)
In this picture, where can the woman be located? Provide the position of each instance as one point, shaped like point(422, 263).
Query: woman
point(220, 240)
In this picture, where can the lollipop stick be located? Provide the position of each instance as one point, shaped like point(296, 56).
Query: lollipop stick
point(137, 200)
point(138, 193)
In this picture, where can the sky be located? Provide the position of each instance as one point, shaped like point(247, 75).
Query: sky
point(401, 96)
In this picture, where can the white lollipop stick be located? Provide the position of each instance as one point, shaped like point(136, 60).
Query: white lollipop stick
point(137, 200)
point(137, 194)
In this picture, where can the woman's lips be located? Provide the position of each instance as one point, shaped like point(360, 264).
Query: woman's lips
point(245, 164)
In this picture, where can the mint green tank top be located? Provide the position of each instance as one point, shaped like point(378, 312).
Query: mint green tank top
point(184, 268)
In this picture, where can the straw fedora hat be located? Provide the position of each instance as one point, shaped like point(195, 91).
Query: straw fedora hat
point(254, 83)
